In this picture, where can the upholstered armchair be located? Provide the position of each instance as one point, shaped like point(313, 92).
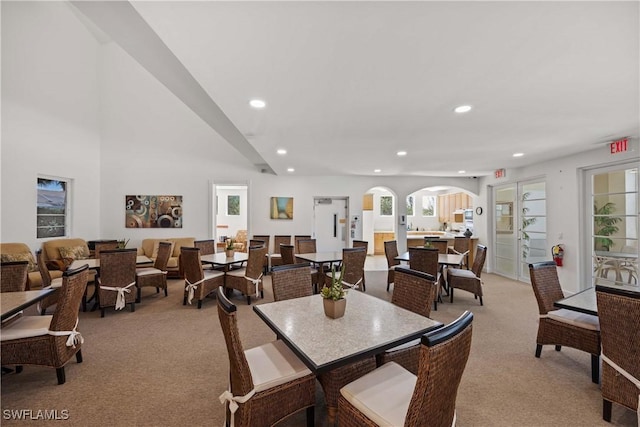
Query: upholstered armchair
point(240, 241)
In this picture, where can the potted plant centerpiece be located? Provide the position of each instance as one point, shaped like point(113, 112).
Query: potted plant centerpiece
point(333, 296)
point(230, 249)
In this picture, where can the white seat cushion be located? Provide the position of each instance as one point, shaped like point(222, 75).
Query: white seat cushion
point(405, 345)
point(459, 272)
point(25, 327)
point(212, 274)
point(382, 395)
point(273, 364)
point(237, 273)
point(56, 283)
point(581, 320)
point(147, 271)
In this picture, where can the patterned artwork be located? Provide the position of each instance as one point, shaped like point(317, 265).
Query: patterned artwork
point(282, 208)
point(153, 211)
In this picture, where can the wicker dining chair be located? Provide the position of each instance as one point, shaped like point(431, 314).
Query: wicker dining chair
point(353, 260)
point(248, 280)
point(391, 252)
point(561, 327)
point(105, 245)
point(47, 282)
point(306, 246)
point(461, 246)
point(155, 276)
point(619, 315)
point(276, 256)
point(266, 239)
point(207, 247)
point(440, 244)
point(287, 254)
point(414, 291)
point(266, 383)
point(117, 277)
point(426, 260)
point(468, 280)
point(198, 283)
point(48, 340)
point(393, 396)
point(291, 281)
point(14, 276)
point(296, 239)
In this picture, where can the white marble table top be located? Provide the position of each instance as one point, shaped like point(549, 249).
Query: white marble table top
point(321, 257)
point(370, 325)
point(13, 302)
point(221, 258)
point(94, 263)
point(443, 259)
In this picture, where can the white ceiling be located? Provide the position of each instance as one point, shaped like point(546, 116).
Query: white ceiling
point(348, 84)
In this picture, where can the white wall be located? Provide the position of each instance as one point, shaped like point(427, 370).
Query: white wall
point(50, 110)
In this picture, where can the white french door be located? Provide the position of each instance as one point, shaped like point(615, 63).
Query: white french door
point(520, 228)
point(330, 223)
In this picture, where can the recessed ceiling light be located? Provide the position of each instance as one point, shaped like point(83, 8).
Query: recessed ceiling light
point(377, 170)
point(281, 151)
point(401, 153)
point(518, 154)
point(291, 170)
point(462, 171)
point(462, 109)
point(257, 103)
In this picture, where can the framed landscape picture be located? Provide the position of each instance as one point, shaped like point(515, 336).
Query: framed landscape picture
point(282, 208)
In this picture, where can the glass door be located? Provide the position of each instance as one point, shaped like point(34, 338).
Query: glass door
point(505, 253)
point(613, 225)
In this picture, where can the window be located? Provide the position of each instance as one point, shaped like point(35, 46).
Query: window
point(386, 205)
point(428, 205)
point(51, 217)
point(233, 205)
point(410, 205)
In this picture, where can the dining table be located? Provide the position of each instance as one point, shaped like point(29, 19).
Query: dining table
point(13, 302)
point(320, 259)
point(444, 260)
point(585, 300)
point(221, 259)
point(94, 263)
point(369, 326)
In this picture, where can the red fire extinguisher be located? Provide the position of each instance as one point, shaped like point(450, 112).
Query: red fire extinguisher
point(557, 253)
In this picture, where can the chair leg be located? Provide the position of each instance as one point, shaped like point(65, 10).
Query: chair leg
point(79, 356)
point(558, 347)
point(451, 294)
point(157, 290)
point(61, 376)
point(102, 312)
point(166, 292)
point(606, 410)
point(538, 350)
point(481, 301)
point(139, 295)
point(184, 300)
point(388, 284)
point(19, 369)
point(311, 417)
point(199, 304)
point(248, 300)
point(595, 368)
point(133, 307)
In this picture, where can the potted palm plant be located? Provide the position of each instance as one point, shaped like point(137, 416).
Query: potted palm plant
point(333, 296)
point(605, 225)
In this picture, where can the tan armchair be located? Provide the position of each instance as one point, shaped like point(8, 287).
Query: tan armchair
point(240, 241)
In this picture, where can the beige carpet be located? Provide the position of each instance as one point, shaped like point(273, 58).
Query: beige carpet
point(166, 364)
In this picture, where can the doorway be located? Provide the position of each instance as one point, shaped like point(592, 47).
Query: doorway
point(230, 208)
point(330, 223)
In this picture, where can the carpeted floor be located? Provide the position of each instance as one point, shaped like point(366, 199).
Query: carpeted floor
point(166, 364)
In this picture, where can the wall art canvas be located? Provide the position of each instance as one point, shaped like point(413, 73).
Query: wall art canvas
point(282, 208)
point(153, 211)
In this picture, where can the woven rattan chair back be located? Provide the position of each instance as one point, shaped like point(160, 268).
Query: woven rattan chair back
point(443, 358)
point(361, 244)
point(291, 281)
point(440, 244)
point(164, 253)
point(353, 260)
point(207, 247)
point(287, 253)
point(306, 246)
point(546, 285)
point(462, 245)
point(14, 276)
point(280, 240)
point(253, 243)
point(424, 259)
point(255, 261)
point(391, 252)
point(104, 246)
point(296, 239)
point(414, 290)
point(44, 270)
point(262, 237)
point(73, 286)
point(478, 261)
point(191, 264)
point(117, 270)
point(239, 373)
point(619, 315)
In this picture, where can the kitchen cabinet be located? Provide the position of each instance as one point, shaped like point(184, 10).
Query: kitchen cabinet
point(449, 203)
point(379, 237)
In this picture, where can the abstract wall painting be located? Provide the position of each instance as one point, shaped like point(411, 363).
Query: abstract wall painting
point(282, 208)
point(153, 211)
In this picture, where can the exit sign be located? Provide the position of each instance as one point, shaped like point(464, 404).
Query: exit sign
point(619, 146)
point(500, 173)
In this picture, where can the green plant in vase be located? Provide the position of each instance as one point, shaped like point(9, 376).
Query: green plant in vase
point(605, 225)
point(333, 296)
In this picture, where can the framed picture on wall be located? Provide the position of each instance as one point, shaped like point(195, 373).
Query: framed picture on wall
point(153, 211)
point(282, 208)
